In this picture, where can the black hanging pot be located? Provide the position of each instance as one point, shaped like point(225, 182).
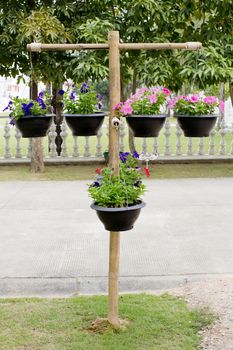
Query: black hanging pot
point(85, 124)
point(118, 219)
point(34, 125)
point(197, 125)
point(146, 125)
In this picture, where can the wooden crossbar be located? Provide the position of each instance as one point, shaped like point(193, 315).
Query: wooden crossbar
point(37, 47)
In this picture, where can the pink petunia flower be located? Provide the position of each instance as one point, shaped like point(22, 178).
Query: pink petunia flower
point(172, 103)
point(210, 100)
point(166, 91)
point(117, 106)
point(152, 98)
point(222, 106)
point(194, 98)
point(126, 109)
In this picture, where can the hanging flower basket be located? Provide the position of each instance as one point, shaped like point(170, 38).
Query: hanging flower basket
point(30, 116)
point(118, 219)
point(82, 110)
point(34, 125)
point(145, 111)
point(85, 124)
point(116, 199)
point(196, 126)
point(196, 114)
point(146, 125)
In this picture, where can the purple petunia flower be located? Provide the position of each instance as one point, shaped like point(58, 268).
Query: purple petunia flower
point(137, 183)
point(8, 106)
point(12, 121)
point(61, 92)
point(41, 94)
point(123, 156)
point(72, 95)
point(100, 97)
point(84, 88)
point(96, 184)
point(26, 108)
point(135, 154)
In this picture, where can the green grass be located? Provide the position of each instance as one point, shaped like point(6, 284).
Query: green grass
point(87, 172)
point(155, 323)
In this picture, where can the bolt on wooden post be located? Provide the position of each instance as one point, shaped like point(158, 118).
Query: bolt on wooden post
point(114, 47)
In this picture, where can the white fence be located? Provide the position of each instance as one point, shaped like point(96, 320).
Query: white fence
point(171, 144)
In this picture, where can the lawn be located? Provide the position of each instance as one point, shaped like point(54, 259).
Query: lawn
point(155, 323)
point(87, 172)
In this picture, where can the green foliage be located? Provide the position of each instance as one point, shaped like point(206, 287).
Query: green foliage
point(195, 105)
point(82, 100)
point(20, 107)
point(149, 102)
point(118, 191)
point(210, 22)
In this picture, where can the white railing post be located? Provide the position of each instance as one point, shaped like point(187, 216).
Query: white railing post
point(201, 146)
point(18, 146)
point(64, 135)
point(75, 147)
point(223, 132)
point(7, 136)
point(178, 140)
point(122, 134)
point(167, 134)
point(52, 143)
point(144, 145)
point(212, 142)
point(190, 146)
point(98, 145)
point(87, 147)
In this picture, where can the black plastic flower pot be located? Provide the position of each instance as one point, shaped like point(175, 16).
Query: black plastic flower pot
point(34, 125)
point(85, 124)
point(196, 125)
point(118, 219)
point(146, 125)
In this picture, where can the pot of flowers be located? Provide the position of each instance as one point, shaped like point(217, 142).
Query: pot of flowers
point(30, 116)
point(82, 110)
point(145, 111)
point(196, 114)
point(117, 198)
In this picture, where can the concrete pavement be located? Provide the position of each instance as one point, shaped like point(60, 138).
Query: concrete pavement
point(52, 243)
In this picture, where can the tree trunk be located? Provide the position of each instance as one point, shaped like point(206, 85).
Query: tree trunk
point(37, 161)
point(131, 137)
point(58, 118)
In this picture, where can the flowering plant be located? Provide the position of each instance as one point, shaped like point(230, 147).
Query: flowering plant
point(124, 190)
point(146, 101)
point(83, 100)
point(20, 107)
point(196, 105)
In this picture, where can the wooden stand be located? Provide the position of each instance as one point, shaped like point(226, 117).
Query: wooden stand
point(114, 47)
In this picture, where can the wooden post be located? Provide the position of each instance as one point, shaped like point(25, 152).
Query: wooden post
point(37, 161)
point(114, 249)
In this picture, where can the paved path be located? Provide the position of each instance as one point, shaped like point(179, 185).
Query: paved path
point(51, 242)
